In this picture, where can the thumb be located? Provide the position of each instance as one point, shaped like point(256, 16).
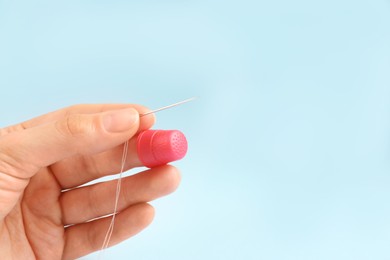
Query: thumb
point(23, 153)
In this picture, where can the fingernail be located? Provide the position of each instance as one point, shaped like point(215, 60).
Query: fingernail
point(120, 120)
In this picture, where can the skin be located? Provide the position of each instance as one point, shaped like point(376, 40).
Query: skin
point(44, 213)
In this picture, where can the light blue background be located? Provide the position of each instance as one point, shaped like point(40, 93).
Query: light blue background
point(289, 141)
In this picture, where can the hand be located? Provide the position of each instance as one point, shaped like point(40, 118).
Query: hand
point(44, 214)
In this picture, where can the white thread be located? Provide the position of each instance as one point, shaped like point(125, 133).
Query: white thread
point(110, 230)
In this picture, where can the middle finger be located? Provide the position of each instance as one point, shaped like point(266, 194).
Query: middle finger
point(78, 170)
point(89, 202)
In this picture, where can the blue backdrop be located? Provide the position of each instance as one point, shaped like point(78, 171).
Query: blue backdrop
point(289, 141)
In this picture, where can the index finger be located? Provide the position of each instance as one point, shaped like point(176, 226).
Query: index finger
point(145, 122)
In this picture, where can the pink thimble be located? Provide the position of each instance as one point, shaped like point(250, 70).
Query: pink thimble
point(159, 147)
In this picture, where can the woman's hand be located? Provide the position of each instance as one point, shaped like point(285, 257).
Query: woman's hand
point(44, 214)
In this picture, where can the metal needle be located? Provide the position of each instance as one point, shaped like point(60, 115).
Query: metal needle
point(166, 107)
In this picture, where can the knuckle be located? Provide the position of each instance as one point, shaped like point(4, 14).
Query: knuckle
point(93, 206)
point(75, 126)
point(13, 128)
point(92, 238)
point(70, 110)
point(3, 131)
point(16, 168)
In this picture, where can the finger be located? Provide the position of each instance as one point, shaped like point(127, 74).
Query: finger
point(78, 170)
point(151, 151)
point(23, 153)
point(98, 200)
point(88, 237)
point(145, 123)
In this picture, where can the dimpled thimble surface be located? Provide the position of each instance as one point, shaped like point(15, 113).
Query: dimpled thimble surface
point(159, 147)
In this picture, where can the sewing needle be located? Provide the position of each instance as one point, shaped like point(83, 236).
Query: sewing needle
point(166, 107)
